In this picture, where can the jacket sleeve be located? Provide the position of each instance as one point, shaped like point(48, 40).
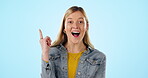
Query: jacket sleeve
point(48, 70)
point(101, 71)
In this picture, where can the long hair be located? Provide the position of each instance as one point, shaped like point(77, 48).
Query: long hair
point(62, 37)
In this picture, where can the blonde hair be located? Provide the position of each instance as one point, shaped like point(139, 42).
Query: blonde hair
point(62, 37)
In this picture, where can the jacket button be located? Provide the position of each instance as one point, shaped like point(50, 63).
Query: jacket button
point(63, 57)
point(64, 68)
point(79, 73)
point(82, 62)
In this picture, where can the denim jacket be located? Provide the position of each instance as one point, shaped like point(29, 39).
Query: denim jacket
point(92, 64)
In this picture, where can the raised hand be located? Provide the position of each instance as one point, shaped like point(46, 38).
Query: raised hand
point(45, 45)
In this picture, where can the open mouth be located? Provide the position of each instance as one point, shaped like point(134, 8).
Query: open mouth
point(75, 34)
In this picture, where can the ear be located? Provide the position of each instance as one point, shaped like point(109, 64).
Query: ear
point(64, 31)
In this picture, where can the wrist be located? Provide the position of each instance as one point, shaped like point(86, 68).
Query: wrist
point(45, 57)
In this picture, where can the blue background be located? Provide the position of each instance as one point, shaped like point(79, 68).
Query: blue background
point(117, 28)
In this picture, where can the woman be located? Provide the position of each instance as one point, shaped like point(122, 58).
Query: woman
point(72, 55)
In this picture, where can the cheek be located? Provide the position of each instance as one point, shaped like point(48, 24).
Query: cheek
point(67, 26)
point(83, 28)
point(67, 30)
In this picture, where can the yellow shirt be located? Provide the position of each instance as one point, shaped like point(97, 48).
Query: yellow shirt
point(73, 59)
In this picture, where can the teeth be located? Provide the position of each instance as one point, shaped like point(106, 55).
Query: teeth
point(75, 32)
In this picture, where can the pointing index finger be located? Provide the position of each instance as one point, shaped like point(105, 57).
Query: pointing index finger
point(41, 36)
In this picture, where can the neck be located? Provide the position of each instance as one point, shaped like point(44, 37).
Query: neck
point(75, 47)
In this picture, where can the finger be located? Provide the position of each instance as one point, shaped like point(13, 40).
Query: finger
point(49, 42)
point(41, 36)
point(47, 38)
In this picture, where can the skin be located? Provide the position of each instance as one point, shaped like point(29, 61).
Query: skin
point(75, 22)
point(45, 45)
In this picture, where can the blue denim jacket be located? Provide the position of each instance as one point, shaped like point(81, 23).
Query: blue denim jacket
point(92, 64)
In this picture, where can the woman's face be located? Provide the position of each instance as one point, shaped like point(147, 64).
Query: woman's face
point(75, 27)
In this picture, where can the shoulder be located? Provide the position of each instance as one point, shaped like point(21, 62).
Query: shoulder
point(57, 49)
point(98, 53)
point(53, 50)
point(94, 54)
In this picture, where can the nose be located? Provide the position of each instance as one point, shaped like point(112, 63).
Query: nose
point(75, 26)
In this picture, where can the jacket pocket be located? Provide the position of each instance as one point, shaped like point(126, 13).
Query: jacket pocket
point(54, 57)
point(93, 62)
point(92, 66)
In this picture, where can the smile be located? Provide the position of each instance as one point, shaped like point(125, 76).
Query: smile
point(75, 34)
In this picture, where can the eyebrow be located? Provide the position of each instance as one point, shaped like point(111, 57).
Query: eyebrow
point(81, 18)
point(78, 18)
point(69, 18)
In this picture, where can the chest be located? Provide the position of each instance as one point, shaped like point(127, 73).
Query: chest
point(86, 68)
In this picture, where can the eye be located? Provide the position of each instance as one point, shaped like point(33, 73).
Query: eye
point(70, 22)
point(80, 22)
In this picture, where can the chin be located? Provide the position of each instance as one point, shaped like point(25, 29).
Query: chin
point(75, 41)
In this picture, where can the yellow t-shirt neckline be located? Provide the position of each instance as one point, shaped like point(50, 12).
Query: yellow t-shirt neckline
point(73, 59)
